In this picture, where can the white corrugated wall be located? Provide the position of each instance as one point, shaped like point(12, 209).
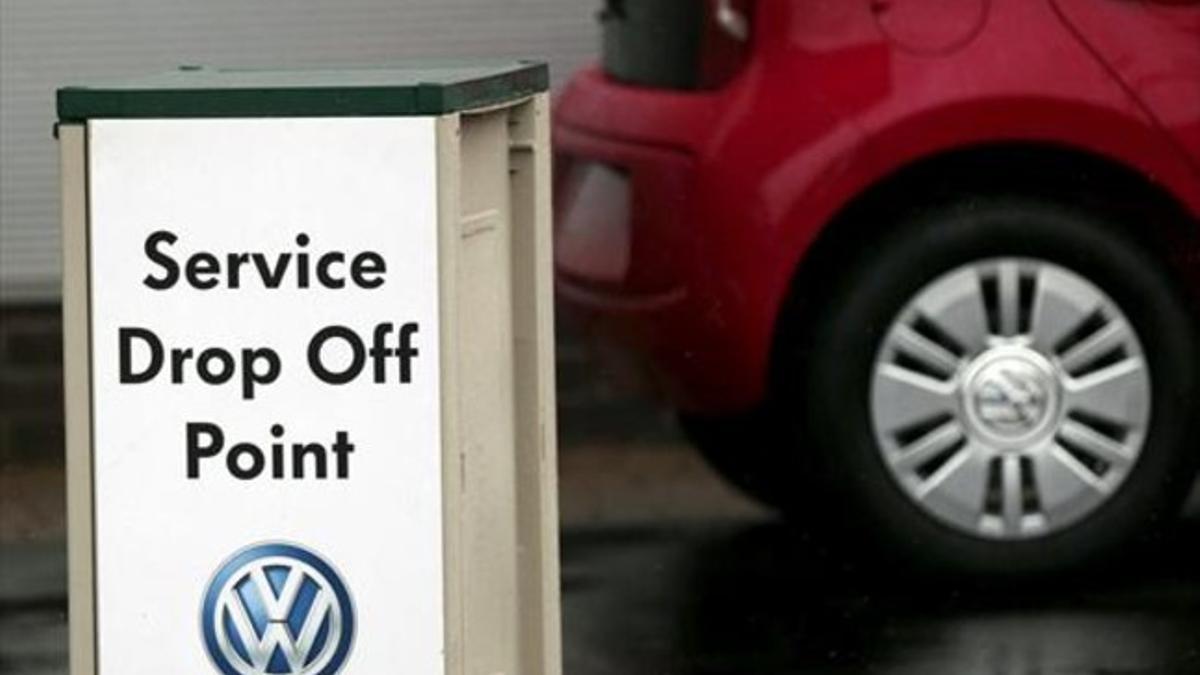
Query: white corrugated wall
point(47, 43)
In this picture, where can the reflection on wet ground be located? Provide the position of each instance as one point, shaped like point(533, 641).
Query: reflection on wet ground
point(748, 598)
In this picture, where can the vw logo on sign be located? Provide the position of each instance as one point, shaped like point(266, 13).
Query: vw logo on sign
point(277, 609)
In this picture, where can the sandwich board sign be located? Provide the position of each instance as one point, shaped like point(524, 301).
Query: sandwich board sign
point(309, 372)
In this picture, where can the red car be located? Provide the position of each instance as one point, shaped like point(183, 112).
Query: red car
point(925, 271)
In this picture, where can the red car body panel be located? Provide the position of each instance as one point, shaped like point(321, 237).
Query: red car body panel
point(731, 187)
point(1154, 48)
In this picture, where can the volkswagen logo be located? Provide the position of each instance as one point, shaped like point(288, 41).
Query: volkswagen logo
point(1011, 397)
point(1010, 400)
point(277, 608)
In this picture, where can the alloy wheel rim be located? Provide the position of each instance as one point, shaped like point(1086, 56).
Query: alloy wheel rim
point(1010, 398)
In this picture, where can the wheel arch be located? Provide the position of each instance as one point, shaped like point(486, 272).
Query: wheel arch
point(1053, 171)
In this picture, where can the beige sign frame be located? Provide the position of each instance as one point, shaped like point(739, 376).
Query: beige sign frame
point(499, 468)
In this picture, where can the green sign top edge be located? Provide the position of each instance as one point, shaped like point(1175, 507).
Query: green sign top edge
point(196, 92)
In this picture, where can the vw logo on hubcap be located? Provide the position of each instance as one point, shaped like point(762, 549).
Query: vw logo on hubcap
point(1011, 396)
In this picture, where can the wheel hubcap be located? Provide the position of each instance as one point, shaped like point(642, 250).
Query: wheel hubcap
point(1010, 398)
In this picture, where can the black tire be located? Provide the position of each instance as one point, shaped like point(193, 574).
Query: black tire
point(827, 376)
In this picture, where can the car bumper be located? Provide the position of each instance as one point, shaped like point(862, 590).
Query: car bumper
point(633, 244)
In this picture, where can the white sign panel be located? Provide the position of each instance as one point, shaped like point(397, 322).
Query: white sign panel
point(266, 396)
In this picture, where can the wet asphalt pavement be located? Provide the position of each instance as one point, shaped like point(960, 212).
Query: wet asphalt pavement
point(665, 571)
point(750, 599)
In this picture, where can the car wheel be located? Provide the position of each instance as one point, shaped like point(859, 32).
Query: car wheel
point(1000, 385)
